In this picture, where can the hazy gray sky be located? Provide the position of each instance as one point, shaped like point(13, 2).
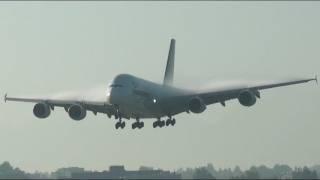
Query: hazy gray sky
point(55, 46)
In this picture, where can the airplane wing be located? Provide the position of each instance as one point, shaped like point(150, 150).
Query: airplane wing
point(222, 95)
point(94, 106)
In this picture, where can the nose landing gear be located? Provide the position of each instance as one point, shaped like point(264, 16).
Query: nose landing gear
point(120, 124)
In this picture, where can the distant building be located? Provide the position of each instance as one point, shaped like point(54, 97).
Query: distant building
point(119, 172)
point(65, 173)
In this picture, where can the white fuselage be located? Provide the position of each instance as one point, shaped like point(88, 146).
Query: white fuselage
point(140, 98)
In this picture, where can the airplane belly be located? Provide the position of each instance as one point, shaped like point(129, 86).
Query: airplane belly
point(139, 106)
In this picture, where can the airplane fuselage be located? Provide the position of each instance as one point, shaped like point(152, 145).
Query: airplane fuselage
point(136, 97)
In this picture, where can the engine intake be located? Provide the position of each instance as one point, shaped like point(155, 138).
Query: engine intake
point(77, 112)
point(247, 98)
point(41, 110)
point(196, 105)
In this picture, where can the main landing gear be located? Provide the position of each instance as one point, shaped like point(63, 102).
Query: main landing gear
point(137, 124)
point(171, 121)
point(160, 123)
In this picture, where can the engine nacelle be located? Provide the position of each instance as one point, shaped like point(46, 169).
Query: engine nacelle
point(196, 105)
point(41, 110)
point(247, 98)
point(77, 112)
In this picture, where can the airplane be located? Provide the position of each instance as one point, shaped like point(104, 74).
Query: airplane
point(128, 96)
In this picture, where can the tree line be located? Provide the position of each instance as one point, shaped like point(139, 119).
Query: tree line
point(278, 171)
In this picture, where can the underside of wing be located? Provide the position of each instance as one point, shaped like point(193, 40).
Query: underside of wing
point(196, 102)
point(246, 92)
point(75, 107)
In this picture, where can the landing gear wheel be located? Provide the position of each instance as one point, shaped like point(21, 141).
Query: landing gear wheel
point(162, 123)
point(168, 122)
point(140, 125)
point(155, 124)
point(137, 124)
point(117, 125)
point(134, 125)
point(122, 124)
point(173, 122)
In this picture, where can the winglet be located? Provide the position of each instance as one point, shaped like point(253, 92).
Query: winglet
point(5, 97)
point(316, 79)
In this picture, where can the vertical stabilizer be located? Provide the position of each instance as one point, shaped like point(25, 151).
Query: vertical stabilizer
point(168, 76)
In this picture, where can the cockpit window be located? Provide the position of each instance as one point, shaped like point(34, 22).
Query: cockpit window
point(116, 85)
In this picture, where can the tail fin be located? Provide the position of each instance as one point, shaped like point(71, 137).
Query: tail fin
point(168, 76)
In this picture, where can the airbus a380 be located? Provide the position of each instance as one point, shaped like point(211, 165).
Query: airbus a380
point(129, 97)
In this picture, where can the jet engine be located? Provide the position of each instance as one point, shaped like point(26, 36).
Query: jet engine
point(77, 112)
point(41, 110)
point(247, 98)
point(196, 105)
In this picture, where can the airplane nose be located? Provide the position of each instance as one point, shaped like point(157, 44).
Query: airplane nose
point(112, 96)
point(108, 93)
